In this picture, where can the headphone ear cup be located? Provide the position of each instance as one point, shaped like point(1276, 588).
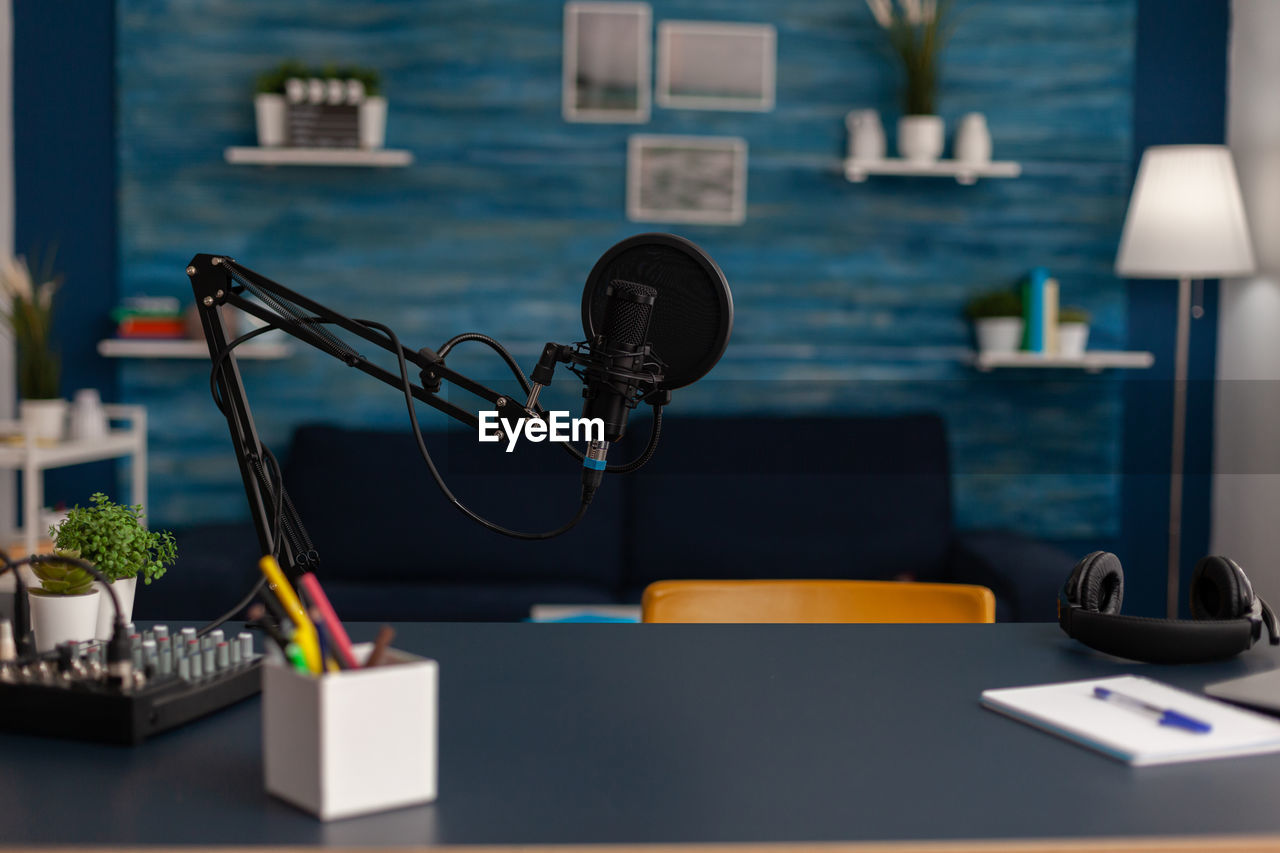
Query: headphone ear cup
point(1096, 583)
point(1220, 590)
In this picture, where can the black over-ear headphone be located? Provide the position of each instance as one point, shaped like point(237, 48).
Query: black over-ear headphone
point(1228, 616)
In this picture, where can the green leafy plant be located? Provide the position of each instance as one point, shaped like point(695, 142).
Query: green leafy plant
point(998, 303)
point(917, 33)
point(272, 82)
point(111, 536)
point(30, 318)
point(1072, 314)
point(58, 578)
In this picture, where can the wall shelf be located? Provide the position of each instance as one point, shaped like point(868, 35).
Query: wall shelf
point(964, 173)
point(1093, 361)
point(383, 157)
point(145, 348)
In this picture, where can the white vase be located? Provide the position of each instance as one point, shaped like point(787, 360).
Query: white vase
point(973, 140)
point(373, 122)
point(1072, 339)
point(269, 110)
point(58, 618)
point(920, 138)
point(125, 589)
point(998, 334)
point(44, 419)
point(88, 417)
point(866, 135)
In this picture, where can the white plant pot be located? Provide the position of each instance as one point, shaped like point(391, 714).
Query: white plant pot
point(866, 135)
point(998, 334)
point(920, 138)
point(373, 122)
point(125, 590)
point(58, 618)
point(45, 419)
point(269, 109)
point(1072, 338)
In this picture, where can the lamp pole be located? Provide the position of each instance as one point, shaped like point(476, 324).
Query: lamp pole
point(1181, 347)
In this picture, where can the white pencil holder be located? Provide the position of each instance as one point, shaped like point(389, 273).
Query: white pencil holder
point(351, 742)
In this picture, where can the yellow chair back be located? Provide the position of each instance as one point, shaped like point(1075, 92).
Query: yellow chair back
point(815, 601)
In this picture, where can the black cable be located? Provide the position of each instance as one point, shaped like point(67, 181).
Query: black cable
point(431, 465)
point(240, 605)
point(492, 344)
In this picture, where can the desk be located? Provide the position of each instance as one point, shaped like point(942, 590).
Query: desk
point(675, 734)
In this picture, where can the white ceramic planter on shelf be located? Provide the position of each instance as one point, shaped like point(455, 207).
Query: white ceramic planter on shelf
point(373, 122)
point(88, 418)
point(45, 419)
point(58, 618)
point(973, 140)
point(1072, 339)
point(125, 590)
point(999, 334)
point(269, 110)
point(866, 135)
point(921, 138)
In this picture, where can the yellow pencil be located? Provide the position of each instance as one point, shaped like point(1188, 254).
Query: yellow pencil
point(304, 633)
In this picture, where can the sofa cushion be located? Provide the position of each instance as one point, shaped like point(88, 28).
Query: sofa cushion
point(790, 497)
point(375, 514)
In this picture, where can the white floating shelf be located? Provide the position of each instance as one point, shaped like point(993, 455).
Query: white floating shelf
point(1093, 361)
point(964, 173)
point(151, 348)
point(384, 157)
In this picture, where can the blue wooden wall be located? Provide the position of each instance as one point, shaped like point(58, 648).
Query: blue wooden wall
point(848, 296)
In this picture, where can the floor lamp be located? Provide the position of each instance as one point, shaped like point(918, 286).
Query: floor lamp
point(1186, 221)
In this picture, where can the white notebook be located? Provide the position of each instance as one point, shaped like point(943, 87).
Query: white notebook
point(1070, 710)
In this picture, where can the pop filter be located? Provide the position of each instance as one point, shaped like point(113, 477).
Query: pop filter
point(692, 315)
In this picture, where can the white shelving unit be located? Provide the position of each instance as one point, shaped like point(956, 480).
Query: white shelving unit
point(383, 157)
point(143, 348)
point(21, 451)
point(964, 173)
point(1093, 361)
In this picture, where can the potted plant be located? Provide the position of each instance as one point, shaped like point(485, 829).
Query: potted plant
point(30, 319)
point(111, 536)
point(997, 320)
point(917, 34)
point(65, 606)
point(373, 107)
point(269, 102)
point(1073, 332)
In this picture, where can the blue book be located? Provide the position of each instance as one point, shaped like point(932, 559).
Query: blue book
point(1033, 308)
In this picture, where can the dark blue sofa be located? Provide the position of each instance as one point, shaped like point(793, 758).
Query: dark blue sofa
point(852, 497)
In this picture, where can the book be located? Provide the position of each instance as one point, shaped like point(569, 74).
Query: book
point(1050, 314)
point(1033, 295)
point(1071, 711)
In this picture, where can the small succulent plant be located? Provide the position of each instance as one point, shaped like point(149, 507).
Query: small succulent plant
point(58, 578)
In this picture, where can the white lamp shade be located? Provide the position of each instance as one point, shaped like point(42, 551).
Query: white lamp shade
point(1186, 217)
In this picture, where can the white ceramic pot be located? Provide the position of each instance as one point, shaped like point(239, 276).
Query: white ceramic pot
point(58, 618)
point(973, 140)
point(269, 109)
point(88, 417)
point(920, 138)
point(45, 419)
point(1072, 338)
point(866, 135)
point(373, 122)
point(999, 334)
point(125, 589)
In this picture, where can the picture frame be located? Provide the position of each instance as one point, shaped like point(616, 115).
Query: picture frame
point(607, 61)
point(690, 179)
point(706, 65)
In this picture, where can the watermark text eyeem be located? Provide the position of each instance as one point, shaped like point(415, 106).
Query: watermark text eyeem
point(558, 426)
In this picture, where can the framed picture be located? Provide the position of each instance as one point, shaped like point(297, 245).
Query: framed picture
point(716, 66)
point(696, 179)
point(606, 62)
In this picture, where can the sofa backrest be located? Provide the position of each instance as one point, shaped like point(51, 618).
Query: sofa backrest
point(854, 497)
point(375, 514)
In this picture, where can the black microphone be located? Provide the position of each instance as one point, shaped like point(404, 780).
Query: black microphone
point(615, 371)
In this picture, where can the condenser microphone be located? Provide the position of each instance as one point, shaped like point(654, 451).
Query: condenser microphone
point(616, 369)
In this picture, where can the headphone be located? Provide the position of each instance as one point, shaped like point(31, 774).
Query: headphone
point(1228, 615)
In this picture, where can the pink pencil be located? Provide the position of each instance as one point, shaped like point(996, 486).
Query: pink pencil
point(341, 643)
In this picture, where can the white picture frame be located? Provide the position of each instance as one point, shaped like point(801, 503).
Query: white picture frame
point(607, 65)
point(698, 180)
point(705, 65)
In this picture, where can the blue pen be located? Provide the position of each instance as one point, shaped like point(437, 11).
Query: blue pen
point(1165, 716)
